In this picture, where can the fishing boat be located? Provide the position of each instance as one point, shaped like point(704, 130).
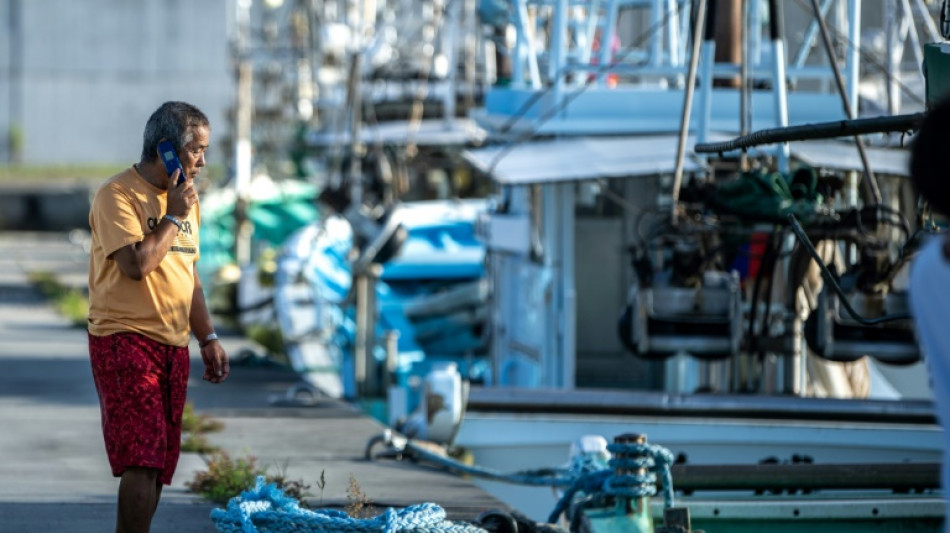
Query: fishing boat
point(347, 230)
point(636, 284)
point(639, 285)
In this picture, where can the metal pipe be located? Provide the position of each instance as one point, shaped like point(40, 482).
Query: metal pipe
point(893, 56)
point(808, 41)
point(779, 78)
point(606, 38)
point(744, 119)
point(879, 413)
point(243, 146)
point(915, 46)
point(15, 70)
point(709, 32)
point(853, 56)
point(775, 20)
point(688, 105)
point(356, 144)
point(821, 130)
point(801, 476)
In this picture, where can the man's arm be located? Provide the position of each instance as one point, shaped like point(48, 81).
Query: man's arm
point(217, 365)
point(140, 259)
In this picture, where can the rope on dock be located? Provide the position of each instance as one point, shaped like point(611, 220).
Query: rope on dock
point(266, 509)
point(547, 477)
point(631, 472)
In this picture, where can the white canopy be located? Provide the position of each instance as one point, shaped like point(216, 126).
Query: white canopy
point(581, 158)
point(838, 155)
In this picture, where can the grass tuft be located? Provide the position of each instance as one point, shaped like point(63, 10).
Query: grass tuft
point(70, 302)
point(193, 430)
point(358, 503)
point(227, 477)
point(191, 421)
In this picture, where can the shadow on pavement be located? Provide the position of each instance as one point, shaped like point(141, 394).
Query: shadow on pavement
point(171, 517)
point(48, 380)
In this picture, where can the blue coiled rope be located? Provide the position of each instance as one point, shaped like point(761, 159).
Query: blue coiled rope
point(266, 509)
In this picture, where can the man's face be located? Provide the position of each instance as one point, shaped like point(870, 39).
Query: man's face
point(192, 155)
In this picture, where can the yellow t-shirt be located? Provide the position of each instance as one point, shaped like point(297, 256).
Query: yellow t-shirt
point(126, 208)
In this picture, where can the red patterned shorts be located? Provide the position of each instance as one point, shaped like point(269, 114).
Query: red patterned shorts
point(141, 385)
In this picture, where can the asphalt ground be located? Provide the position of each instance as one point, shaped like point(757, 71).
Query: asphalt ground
point(54, 475)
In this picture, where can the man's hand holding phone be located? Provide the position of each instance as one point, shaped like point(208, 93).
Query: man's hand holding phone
point(180, 197)
point(181, 191)
point(170, 158)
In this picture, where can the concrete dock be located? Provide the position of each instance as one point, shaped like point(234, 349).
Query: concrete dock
point(54, 475)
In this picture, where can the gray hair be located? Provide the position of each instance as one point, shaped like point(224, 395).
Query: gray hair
point(173, 121)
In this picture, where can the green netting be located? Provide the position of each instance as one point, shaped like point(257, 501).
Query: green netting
point(760, 196)
point(276, 210)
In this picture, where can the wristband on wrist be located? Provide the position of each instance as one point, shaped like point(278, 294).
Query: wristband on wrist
point(211, 337)
point(174, 220)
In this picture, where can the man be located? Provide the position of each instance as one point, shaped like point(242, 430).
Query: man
point(930, 273)
point(145, 299)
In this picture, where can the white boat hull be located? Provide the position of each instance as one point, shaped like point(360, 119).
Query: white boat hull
point(509, 441)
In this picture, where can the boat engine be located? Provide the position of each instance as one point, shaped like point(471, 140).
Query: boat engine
point(682, 306)
point(836, 334)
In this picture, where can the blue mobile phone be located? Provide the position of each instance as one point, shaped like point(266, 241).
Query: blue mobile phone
point(170, 158)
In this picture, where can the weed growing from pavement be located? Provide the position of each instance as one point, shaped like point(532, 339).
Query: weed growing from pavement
point(225, 477)
point(70, 302)
point(193, 430)
point(228, 477)
point(197, 443)
point(295, 488)
point(192, 421)
point(358, 503)
point(321, 484)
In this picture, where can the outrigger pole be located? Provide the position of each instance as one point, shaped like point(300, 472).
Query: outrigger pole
point(698, 32)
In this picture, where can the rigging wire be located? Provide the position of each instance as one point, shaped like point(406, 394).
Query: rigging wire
point(868, 57)
point(618, 57)
point(570, 97)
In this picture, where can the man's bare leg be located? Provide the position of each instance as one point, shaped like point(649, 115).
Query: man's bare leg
point(158, 496)
point(138, 499)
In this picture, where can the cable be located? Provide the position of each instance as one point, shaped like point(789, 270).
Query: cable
point(767, 312)
point(830, 278)
point(894, 218)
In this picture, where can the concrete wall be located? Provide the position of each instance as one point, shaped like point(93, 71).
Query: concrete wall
point(81, 77)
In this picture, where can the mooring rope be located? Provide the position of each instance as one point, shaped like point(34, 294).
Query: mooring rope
point(266, 509)
point(641, 463)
